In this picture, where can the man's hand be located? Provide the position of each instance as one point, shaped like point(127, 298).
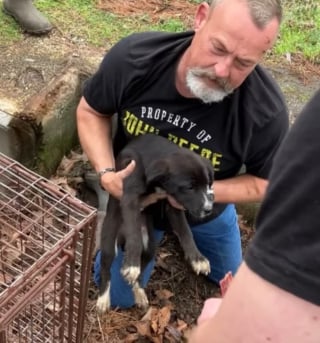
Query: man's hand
point(113, 182)
point(174, 203)
point(154, 197)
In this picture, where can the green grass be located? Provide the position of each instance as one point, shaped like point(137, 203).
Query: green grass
point(81, 21)
point(9, 30)
point(300, 31)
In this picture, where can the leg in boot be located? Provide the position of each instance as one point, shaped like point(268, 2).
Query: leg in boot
point(28, 17)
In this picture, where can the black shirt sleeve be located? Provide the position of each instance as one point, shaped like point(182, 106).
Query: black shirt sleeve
point(105, 90)
point(265, 143)
point(263, 101)
point(128, 65)
point(286, 248)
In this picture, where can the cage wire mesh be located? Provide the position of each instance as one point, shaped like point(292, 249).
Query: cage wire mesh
point(46, 241)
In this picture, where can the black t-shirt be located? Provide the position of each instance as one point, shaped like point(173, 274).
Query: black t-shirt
point(286, 247)
point(136, 79)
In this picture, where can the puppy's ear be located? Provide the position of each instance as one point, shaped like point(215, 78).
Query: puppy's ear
point(157, 172)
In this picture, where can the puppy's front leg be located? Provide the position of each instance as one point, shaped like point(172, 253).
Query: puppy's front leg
point(182, 229)
point(108, 241)
point(140, 296)
point(131, 228)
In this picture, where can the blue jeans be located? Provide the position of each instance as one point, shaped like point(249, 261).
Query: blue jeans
point(218, 240)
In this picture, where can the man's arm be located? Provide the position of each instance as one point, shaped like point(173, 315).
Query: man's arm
point(254, 310)
point(243, 188)
point(95, 137)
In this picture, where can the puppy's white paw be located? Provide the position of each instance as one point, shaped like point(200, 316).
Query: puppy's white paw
point(103, 302)
point(131, 274)
point(201, 266)
point(140, 297)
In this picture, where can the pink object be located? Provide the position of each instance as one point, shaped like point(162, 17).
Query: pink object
point(209, 309)
point(225, 283)
point(212, 305)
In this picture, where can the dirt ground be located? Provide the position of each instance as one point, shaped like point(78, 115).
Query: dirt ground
point(175, 292)
point(176, 297)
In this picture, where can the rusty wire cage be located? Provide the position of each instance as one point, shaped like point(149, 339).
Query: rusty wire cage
point(46, 240)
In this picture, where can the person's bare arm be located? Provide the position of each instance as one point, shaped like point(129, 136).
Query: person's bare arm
point(95, 136)
point(254, 310)
point(243, 188)
point(96, 140)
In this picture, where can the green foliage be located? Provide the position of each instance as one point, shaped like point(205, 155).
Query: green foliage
point(81, 21)
point(9, 30)
point(300, 31)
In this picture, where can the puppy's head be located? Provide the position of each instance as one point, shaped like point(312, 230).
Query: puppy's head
point(188, 178)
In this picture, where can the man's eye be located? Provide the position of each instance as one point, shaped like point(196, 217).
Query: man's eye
point(218, 50)
point(243, 65)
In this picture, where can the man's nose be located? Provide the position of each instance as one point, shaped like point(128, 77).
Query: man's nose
point(223, 68)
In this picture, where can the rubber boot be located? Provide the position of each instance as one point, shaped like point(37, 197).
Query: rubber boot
point(27, 16)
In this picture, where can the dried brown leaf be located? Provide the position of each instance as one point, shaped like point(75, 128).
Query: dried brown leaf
point(63, 183)
point(164, 294)
point(132, 337)
point(181, 325)
point(172, 334)
point(148, 314)
point(160, 319)
point(68, 162)
point(66, 165)
point(143, 328)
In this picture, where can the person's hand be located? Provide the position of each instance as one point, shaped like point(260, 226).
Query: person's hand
point(174, 203)
point(113, 182)
point(156, 196)
point(152, 199)
point(210, 308)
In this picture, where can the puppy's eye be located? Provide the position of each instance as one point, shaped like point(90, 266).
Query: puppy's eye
point(190, 187)
point(186, 188)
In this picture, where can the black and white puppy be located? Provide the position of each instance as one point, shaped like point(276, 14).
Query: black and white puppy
point(160, 166)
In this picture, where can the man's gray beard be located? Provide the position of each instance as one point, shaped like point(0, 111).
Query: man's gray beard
point(201, 90)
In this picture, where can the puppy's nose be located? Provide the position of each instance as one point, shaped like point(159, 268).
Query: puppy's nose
point(208, 206)
point(207, 210)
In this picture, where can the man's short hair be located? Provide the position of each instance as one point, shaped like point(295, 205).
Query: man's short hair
point(262, 11)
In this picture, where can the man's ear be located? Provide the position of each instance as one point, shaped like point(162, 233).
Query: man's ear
point(157, 172)
point(201, 16)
